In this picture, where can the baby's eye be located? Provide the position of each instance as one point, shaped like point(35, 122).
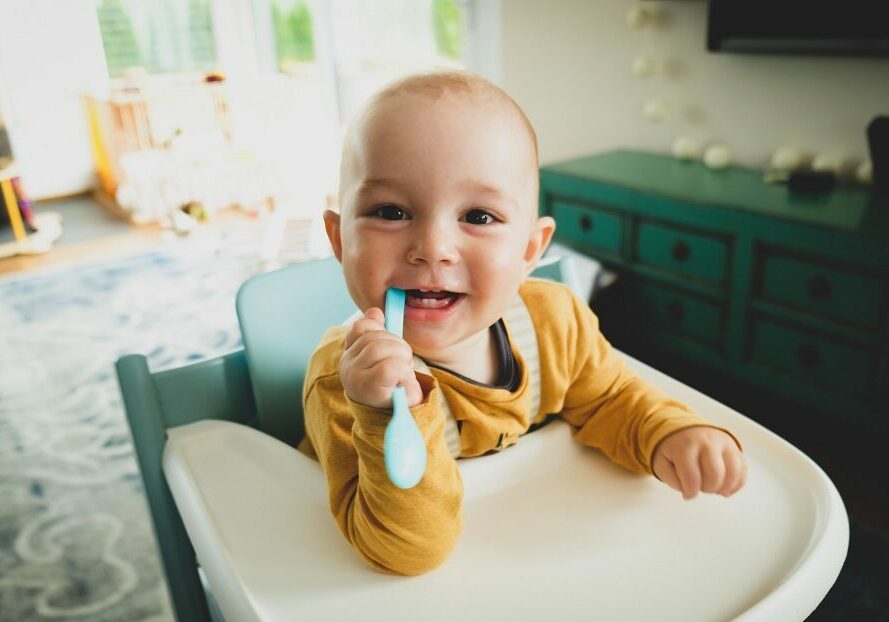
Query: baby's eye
point(479, 217)
point(390, 212)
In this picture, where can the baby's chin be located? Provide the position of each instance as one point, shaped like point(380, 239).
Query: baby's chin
point(441, 347)
point(429, 349)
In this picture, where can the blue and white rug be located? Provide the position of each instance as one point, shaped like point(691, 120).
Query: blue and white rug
point(75, 535)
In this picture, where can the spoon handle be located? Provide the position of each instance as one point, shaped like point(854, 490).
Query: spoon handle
point(394, 311)
point(404, 451)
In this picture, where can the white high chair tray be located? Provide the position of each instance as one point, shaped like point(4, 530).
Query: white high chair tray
point(552, 530)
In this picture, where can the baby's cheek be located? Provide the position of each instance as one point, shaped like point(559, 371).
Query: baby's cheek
point(366, 281)
point(499, 275)
point(491, 276)
point(499, 256)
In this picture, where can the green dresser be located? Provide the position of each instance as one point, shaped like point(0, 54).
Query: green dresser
point(720, 271)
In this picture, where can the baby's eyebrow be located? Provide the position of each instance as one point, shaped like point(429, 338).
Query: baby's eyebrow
point(483, 188)
point(372, 182)
point(473, 185)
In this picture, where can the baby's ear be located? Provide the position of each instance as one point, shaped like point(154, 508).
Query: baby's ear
point(541, 234)
point(332, 226)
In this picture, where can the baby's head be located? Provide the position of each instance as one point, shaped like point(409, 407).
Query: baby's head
point(438, 196)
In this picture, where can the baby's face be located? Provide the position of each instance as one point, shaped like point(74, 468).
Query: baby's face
point(439, 198)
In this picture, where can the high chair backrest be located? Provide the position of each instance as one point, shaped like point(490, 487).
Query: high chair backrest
point(283, 315)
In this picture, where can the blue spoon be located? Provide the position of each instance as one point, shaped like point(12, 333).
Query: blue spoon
point(404, 451)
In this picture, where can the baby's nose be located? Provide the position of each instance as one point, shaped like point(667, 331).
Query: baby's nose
point(433, 245)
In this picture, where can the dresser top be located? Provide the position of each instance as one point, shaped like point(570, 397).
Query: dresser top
point(848, 207)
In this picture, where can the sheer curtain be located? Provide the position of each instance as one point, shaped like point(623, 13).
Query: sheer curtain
point(335, 53)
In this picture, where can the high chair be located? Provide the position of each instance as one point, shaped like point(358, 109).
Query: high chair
point(552, 530)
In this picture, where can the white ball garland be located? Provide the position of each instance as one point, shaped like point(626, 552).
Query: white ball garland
point(865, 172)
point(643, 67)
point(717, 156)
point(788, 158)
point(655, 110)
point(686, 148)
point(827, 163)
point(638, 17)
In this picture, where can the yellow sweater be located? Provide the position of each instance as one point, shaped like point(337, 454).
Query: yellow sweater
point(581, 379)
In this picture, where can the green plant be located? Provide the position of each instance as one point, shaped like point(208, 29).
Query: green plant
point(448, 28)
point(294, 39)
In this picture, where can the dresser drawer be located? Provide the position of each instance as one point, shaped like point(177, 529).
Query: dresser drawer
point(815, 359)
point(693, 255)
point(883, 380)
point(673, 311)
point(595, 228)
point(822, 290)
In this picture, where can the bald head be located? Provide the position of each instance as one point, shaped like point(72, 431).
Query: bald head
point(439, 190)
point(383, 116)
point(438, 85)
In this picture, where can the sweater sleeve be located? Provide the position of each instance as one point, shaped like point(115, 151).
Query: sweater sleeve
point(398, 531)
point(610, 407)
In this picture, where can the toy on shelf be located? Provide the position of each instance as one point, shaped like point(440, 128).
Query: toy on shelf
point(165, 151)
point(32, 233)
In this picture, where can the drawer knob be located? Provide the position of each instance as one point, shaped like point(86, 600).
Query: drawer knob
point(819, 287)
point(680, 251)
point(808, 356)
point(675, 312)
point(586, 223)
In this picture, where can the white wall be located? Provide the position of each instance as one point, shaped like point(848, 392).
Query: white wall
point(567, 63)
point(50, 54)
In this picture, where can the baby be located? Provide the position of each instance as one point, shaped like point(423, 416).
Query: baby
point(438, 196)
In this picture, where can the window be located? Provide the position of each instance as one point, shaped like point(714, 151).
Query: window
point(404, 22)
point(449, 22)
point(296, 70)
point(376, 41)
point(161, 36)
point(334, 54)
point(294, 38)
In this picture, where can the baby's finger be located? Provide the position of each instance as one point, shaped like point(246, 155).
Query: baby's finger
point(372, 320)
point(375, 314)
point(352, 356)
point(665, 470)
point(735, 472)
point(390, 373)
point(413, 389)
point(372, 348)
point(689, 474)
point(712, 467)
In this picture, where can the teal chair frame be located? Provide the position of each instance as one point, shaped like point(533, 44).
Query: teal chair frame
point(282, 316)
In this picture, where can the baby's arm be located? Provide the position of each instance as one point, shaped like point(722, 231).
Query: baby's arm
point(639, 427)
point(399, 531)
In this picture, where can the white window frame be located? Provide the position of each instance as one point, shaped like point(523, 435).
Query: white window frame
point(252, 29)
point(485, 44)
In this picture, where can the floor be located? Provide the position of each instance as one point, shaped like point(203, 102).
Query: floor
point(88, 230)
point(861, 592)
point(93, 233)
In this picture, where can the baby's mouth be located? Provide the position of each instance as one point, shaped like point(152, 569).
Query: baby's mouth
point(428, 299)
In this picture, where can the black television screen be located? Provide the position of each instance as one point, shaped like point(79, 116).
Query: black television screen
point(848, 28)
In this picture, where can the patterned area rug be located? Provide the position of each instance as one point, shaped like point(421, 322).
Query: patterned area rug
point(75, 535)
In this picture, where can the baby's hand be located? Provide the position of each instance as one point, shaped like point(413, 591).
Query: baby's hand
point(700, 459)
point(375, 362)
